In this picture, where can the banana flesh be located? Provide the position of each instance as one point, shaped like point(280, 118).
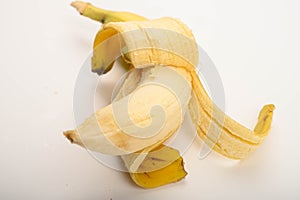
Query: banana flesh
point(126, 126)
point(166, 163)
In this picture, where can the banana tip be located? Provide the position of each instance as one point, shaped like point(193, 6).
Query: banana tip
point(69, 135)
point(79, 5)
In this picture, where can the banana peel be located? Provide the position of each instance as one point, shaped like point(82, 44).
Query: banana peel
point(159, 168)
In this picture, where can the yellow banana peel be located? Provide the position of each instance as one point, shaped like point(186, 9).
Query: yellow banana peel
point(159, 168)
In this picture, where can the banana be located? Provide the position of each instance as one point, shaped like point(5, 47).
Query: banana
point(164, 55)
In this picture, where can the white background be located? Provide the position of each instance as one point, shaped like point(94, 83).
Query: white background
point(255, 46)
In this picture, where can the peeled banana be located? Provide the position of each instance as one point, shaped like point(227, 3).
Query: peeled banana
point(164, 55)
point(127, 126)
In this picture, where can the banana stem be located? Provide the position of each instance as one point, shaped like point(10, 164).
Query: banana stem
point(90, 11)
point(102, 15)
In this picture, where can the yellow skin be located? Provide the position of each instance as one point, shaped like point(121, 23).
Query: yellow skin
point(170, 173)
